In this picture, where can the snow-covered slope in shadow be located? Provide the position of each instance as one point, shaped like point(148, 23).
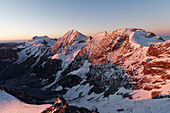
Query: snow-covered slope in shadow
point(9, 104)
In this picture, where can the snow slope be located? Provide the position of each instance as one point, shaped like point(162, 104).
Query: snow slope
point(140, 38)
point(9, 104)
point(78, 96)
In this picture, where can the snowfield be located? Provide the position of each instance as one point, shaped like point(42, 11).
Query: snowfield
point(139, 37)
point(115, 103)
point(9, 104)
point(112, 104)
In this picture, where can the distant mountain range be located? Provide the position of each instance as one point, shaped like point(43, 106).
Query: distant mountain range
point(166, 37)
point(13, 41)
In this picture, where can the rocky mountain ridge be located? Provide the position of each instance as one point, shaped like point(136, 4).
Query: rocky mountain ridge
point(83, 68)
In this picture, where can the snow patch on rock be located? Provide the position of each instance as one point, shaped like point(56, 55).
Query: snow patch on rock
point(81, 72)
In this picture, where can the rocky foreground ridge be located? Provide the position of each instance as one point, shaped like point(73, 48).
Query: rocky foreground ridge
point(61, 106)
point(130, 62)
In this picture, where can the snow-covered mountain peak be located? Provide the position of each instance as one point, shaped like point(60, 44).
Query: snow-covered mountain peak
point(68, 46)
point(68, 39)
point(138, 37)
point(37, 47)
point(70, 33)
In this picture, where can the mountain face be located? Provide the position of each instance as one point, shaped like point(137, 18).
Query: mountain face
point(130, 63)
point(8, 55)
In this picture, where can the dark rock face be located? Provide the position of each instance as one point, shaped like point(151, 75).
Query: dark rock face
point(8, 55)
point(69, 81)
point(18, 77)
point(46, 68)
point(100, 79)
point(61, 106)
point(24, 78)
point(13, 71)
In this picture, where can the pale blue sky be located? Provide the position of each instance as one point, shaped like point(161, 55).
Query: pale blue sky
point(23, 19)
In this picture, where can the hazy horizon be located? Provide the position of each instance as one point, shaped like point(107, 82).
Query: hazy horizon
point(23, 19)
point(1, 40)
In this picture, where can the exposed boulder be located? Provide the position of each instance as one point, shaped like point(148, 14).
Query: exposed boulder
point(154, 94)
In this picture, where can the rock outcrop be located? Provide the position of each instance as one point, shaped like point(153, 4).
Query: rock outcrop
point(61, 106)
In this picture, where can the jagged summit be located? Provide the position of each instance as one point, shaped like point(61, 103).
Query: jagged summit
point(71, 31)
point(68, 46)
point(71, 34)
